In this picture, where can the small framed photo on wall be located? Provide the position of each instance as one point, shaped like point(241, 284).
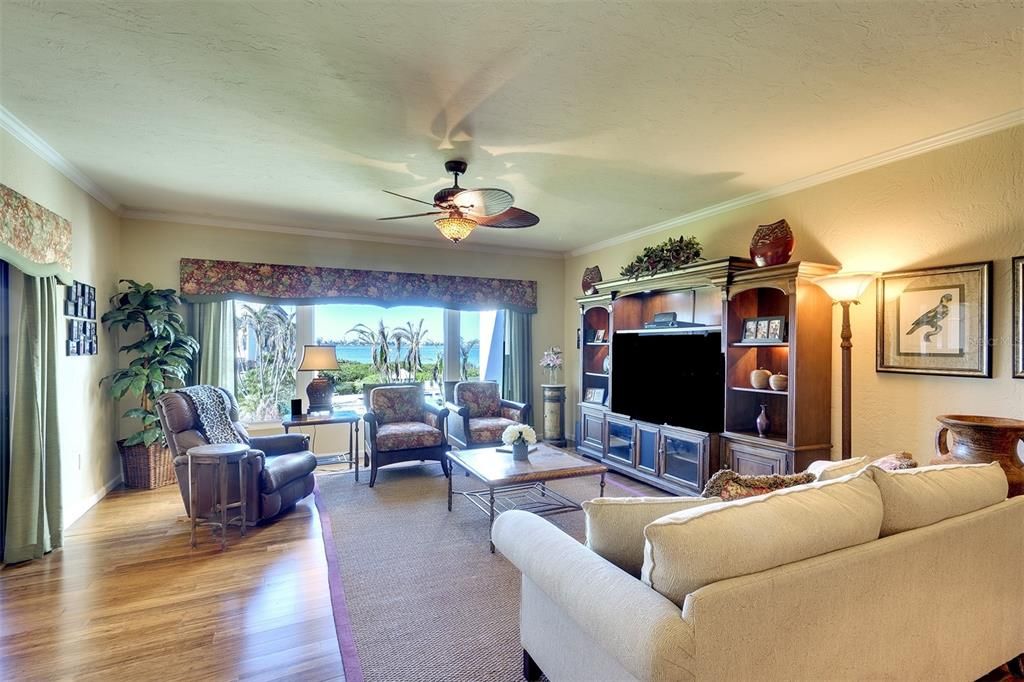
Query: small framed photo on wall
point(1018, 317)
point(935, 321)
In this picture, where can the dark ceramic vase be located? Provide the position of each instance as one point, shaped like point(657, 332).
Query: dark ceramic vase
point(772, 244)
point(980, 440)
point(762, 422)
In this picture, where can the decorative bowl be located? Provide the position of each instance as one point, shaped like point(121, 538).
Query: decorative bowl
point(760, 378)
point(778, 382)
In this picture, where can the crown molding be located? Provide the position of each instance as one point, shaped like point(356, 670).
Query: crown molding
point(236, 224)
point(30, 139)
point(928, 144)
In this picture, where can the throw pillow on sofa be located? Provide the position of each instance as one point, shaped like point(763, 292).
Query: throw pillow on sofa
point(896, 461)
point(827, 469)
point(729, 485)
point(615, 525)
point(913, 498)
point(690, 549)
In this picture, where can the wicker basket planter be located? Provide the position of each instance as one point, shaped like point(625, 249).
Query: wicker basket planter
point(146, 467)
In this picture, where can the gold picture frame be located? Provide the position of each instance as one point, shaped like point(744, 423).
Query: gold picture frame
point(1018, 317)
point(935, 321)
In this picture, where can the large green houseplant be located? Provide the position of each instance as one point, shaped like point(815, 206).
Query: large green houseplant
point(160, 359)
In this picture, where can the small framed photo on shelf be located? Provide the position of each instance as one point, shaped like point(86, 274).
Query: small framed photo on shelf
point(599, 336)
point(936, 321)
point(764, 330)
point(594, 395)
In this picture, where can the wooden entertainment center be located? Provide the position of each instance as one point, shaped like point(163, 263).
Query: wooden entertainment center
point(714, 298)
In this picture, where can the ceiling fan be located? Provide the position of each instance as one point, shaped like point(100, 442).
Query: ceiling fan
point(465, 209)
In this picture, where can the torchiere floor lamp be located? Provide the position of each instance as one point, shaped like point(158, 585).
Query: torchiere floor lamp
point(846, 288)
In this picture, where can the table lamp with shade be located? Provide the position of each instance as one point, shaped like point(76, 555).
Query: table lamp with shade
point(321, 389)
point(846, 289)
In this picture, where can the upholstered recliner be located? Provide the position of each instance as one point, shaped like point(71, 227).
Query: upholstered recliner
point(280, 467)
point(402, 427)
point(478, 416)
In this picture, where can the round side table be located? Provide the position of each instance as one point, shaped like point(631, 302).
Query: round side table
point(219, 458)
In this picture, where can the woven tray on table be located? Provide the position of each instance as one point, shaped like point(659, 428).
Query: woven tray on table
point(146, 467)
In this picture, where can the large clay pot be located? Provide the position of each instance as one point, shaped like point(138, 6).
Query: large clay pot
point(980, 440)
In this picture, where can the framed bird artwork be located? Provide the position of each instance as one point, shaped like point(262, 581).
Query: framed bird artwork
point(936, 321)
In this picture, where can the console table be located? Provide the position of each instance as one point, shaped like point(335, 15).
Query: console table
point(349, 417)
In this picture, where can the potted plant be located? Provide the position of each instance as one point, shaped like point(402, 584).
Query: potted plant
point(161, 358)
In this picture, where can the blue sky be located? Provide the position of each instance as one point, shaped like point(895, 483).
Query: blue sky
point(332, 321)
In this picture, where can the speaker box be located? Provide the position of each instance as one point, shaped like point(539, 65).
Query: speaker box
point(296, 407)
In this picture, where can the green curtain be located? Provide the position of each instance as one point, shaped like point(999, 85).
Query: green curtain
point(5, 386)
point(517, 375)
point(214, 329)
point(34, 524)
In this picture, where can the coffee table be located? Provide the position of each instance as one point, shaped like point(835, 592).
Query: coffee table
point(513, 484)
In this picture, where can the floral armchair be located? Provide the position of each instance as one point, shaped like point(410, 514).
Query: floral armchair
point(402, 427)
point(478, 415)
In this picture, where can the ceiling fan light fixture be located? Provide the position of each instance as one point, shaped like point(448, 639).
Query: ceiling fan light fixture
point(455, 227)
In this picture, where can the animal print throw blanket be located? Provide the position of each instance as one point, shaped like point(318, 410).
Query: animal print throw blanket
point(212, 408)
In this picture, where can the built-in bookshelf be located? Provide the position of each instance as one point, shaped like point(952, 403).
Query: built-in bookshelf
point(711, 298)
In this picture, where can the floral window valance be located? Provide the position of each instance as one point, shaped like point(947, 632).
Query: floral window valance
point(211, 280)
point(33, 238)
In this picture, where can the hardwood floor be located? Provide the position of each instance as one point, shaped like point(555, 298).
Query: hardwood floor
point(127, 598)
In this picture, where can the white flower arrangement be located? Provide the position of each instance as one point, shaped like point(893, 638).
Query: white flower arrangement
point(552, 358)
point(519, 433)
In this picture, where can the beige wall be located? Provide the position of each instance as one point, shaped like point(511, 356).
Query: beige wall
point(87, 416)
point(955, 205)
point(151, 251)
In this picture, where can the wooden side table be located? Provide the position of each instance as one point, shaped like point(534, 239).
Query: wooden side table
point(349, 417)
point(220, 457)
point(554, 413)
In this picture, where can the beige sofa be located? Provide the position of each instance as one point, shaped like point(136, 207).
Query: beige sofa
point(917, 575)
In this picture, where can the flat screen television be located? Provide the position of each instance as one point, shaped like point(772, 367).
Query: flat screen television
point(676, 379)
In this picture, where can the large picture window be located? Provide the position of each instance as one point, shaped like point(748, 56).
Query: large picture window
point(265, 360)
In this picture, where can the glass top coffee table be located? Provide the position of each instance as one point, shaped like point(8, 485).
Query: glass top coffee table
point(513, 484)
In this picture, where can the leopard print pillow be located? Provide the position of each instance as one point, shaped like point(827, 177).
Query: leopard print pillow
point(729, 485)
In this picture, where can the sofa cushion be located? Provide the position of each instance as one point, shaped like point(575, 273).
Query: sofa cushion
point(397, 403)
point(729, 485)
point(283, 469)
point(912, 498)
point(481, 397)
point(488, 429)
point(615, 525)
point(687, 550)
point(406, 436)
point(827, 469)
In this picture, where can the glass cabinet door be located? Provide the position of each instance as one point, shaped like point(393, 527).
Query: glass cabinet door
point(620, 441)
point(682, 458)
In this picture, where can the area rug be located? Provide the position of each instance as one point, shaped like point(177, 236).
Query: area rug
point(419, 591)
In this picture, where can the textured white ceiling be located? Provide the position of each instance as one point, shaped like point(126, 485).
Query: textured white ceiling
point(601, 117)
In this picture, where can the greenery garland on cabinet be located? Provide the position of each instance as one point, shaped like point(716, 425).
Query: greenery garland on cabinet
point(671, 254)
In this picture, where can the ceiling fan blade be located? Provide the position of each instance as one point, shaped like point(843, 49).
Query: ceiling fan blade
point(512, 218)
point(486, 201)
point(405, 197)
point(412, 215)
